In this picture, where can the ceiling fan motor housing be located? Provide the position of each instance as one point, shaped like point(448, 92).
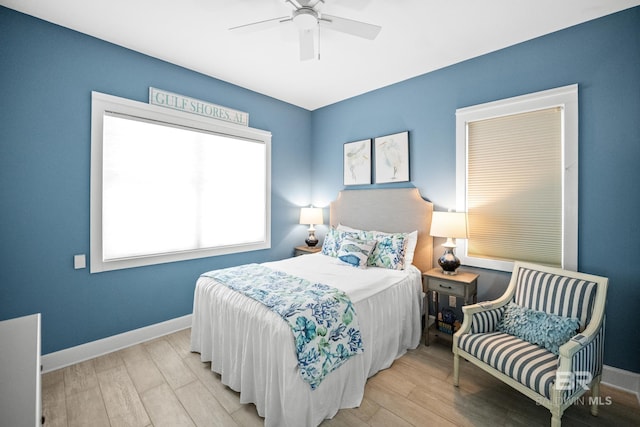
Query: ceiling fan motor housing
point(305, 18)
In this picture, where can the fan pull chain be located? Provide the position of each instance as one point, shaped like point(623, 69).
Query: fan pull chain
point(319, 41)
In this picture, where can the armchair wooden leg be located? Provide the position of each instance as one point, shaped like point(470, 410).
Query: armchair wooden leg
point(456, 369)
point(556, 407)
point(595, 395)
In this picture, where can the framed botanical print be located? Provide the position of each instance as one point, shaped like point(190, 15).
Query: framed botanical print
point(357, 162)
point(392, 158)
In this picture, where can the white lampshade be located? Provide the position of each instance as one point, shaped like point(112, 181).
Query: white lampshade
point(449, 224)
point(311, 216)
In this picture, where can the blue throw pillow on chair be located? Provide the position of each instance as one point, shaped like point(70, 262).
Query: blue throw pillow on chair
point(547, 330)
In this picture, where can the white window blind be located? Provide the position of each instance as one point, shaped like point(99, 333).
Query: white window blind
point(167, 186)
point(514, 187)
point(168, 189)
point(517, 179)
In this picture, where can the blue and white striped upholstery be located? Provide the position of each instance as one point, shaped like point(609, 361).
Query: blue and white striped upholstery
point(554, 381)
point(556, 294)
point(589, 359)
point(486, 321)
point(529, 364)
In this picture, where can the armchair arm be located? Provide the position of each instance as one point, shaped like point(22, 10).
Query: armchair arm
point(581, 359)
point(484, 316)
point(575, 344)
point(478, 318)
point(481, 317)
point(586, 349)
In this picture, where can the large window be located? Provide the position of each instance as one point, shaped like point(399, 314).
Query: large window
point(517, 179)
point(168, 186)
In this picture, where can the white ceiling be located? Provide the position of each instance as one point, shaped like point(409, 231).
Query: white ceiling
point(417, 36)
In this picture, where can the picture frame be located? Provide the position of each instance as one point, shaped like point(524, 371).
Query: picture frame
point(392, 158)
point(357, 162)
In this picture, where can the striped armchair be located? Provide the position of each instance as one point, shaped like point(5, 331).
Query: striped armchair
point(552, 380)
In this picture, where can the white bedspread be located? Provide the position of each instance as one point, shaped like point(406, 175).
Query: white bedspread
point(252, 348)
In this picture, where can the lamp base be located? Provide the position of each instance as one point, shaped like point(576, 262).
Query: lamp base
point(449, 262)
point(312, 240)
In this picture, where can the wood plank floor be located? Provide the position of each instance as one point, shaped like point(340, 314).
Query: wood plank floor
point(161, 383)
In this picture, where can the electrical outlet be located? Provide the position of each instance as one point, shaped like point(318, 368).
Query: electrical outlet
point(452, 301)
point(79, 261)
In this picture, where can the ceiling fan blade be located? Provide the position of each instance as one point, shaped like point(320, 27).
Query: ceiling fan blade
point(260, 25)
point(307, 49)
point(349, 26)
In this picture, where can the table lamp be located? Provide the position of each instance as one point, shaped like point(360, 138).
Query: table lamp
point(452, 225)
point(311, 216)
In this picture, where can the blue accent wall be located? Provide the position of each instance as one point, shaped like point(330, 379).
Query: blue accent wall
point(603, 58)
point(47, 74)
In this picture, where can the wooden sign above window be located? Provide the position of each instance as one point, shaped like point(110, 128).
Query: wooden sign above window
point(196, 106)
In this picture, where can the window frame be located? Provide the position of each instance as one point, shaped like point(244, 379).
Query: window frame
point(101, 103)
point(565, 97)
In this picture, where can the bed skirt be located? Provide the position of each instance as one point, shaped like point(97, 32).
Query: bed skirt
point(253, 350)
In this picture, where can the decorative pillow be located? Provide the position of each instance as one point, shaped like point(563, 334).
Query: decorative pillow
point(355, 252)
point(333, 239)
point(389, 251)
point(330, 245)
point(547, 330)
point(392, 249)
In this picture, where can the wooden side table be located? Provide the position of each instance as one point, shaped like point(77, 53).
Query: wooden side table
point(463, 285)
point(304, 250)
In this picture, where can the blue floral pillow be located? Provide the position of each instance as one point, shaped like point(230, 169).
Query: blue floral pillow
point(330, 241)
point(546, 330)
point(355, 252)
point(333, 239)
point(389, 251)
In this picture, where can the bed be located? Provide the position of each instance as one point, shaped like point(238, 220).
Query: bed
point(253, 350)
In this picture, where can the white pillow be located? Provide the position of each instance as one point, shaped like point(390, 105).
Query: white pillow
point(342, 227)
point(410, 250)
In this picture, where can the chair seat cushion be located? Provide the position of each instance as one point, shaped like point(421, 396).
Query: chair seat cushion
point(528, 364)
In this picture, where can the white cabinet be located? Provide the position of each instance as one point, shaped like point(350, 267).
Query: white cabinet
point(20, 388)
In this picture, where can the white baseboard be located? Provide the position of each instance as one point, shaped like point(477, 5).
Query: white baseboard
point(621, 379)
point(80, 353)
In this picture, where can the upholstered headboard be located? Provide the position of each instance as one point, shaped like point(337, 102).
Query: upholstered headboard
point(388, 210)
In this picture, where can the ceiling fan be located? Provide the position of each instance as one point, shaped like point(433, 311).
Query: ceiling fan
point(307, 17)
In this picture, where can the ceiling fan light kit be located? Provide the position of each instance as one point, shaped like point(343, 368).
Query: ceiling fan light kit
point(305, 18)
point(308, 19)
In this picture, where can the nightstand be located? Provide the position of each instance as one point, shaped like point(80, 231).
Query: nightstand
point(463, 285)
point(304, 250)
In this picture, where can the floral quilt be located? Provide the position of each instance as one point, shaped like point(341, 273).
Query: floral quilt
point(322, 318)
